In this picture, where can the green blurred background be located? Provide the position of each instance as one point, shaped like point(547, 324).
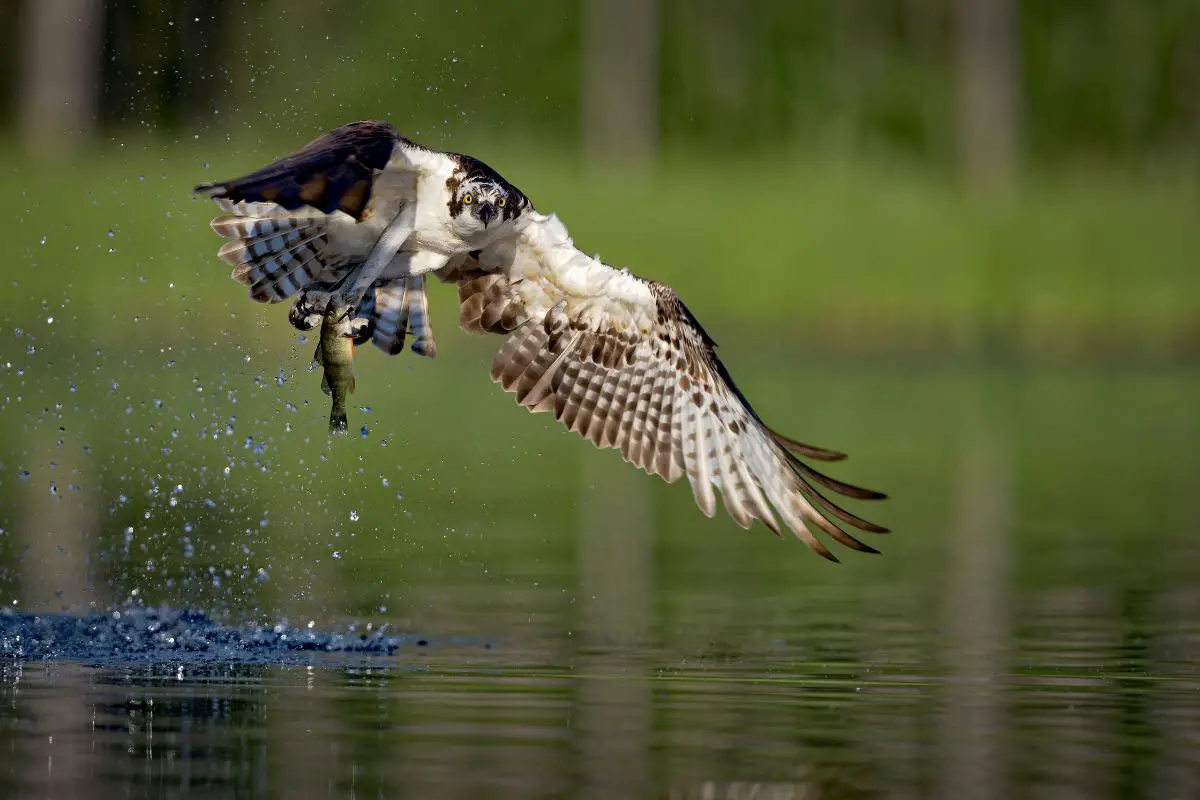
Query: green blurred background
point(955, 238)
point(934, 233)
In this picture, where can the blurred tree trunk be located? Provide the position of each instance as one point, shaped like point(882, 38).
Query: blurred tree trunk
point(977, 620)
point(60, 85)
point(988, 55)
point(616, 586)
point(201, 45)
point(163, 64)
point(620, 78)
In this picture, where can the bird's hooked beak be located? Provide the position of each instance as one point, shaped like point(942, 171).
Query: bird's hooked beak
point(486, 213)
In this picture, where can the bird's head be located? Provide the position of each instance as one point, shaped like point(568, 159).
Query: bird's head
point(483, 202)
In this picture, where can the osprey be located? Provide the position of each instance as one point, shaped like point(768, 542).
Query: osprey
point(362, 214)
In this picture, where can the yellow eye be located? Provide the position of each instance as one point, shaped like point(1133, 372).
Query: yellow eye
point(468, 198)
point(500, 203)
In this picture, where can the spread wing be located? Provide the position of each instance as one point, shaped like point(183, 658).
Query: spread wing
point(335, 172)
point(311, 216)
point(622, 361)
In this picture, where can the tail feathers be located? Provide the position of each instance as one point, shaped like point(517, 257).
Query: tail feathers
point(274, 253)
point(401, 307)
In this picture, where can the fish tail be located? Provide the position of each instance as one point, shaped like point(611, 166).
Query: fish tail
point(337, 420)
point(274, 252)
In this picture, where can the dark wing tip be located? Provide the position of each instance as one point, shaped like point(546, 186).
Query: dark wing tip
point(825, 554)
point(802, 449)
point(841, 487)
point(335, 171)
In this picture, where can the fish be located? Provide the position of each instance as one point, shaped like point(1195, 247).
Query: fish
point(335, 354)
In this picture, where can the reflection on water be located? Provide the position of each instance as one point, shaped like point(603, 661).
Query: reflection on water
point(1031, 629)
point(1092, 698)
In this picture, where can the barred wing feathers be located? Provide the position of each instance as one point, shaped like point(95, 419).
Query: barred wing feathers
point(310, 216)
point(397, 308)
point(274, 252)
point(622, 361)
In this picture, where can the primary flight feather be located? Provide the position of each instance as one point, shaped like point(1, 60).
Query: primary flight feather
point(362, 214)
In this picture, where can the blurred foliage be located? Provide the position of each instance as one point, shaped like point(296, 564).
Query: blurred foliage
point(121, 302)
point(162, 424)
point(854, 257)
point(803, 141)
point(1105, 79)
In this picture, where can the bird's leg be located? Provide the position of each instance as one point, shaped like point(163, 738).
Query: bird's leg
point(304, 314)
point(418, 316)
point(390, 242)
point(308, 311)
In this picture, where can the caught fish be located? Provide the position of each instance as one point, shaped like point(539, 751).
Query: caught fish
point(335, 353)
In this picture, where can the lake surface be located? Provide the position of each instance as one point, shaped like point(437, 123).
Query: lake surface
point(1092, 692)
point(565, 626)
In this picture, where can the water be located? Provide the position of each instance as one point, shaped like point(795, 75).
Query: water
point(563, 626)
point(1091, 693)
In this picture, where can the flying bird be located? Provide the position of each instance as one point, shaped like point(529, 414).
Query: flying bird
point(357, 217)
point(362, 214)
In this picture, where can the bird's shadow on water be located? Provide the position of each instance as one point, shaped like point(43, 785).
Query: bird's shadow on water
point(135, 634)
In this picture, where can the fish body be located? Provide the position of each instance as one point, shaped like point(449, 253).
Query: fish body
point(335, 354)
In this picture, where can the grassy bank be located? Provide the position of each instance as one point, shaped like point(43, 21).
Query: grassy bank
point(812, 255)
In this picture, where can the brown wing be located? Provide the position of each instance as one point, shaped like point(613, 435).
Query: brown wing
point(666, 402)
point(335, 171)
